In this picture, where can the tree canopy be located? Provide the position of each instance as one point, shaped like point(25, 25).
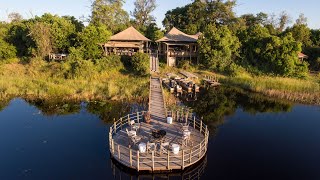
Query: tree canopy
point(110, 14)
point(194, 17)
point(218, 47)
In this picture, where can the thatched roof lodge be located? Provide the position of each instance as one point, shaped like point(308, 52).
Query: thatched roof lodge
point(176, 45)
point(126, 42)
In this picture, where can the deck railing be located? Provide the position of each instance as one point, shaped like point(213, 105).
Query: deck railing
point(134, 159)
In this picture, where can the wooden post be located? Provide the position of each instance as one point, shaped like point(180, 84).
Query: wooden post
point(121, 123)
point(152, 157)
point(200, 151)
point(138, 117)
point(130, 156)
point(177, 115)
point(114, 126)
point(129, 119)
point(190, 157)
point(119, 152)
point(194, 122)
point(112, 142)
point(168, 161)
point(201, 126)
point(182, 167)
point(138, 163)
point(112, 147)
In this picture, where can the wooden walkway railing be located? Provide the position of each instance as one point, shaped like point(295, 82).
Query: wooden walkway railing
point(134, 159)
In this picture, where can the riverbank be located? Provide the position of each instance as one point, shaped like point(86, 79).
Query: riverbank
point(47, 80)
point(306, 91)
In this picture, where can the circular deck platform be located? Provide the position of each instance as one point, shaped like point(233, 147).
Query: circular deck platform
point(158, 159)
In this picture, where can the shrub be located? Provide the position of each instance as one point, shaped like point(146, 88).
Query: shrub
point(109, 63)
point(75, 54)
point(140, 63)
point(184, 64)
point(7, 51)
point(82, 69)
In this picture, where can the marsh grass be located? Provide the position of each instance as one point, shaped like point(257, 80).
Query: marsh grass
point(305, 90)
point(88, 82)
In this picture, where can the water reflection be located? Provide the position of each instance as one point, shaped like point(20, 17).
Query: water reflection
point(214, 104)
point(193, 172)
point(4, 102)
point(52, 107)
point(106, 110)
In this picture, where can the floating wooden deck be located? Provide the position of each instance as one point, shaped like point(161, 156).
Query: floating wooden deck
point(130, 156)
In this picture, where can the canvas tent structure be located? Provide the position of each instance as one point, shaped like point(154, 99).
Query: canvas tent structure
point(176, 45)
point(126, 42)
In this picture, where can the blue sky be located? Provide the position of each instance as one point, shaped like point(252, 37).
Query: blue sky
point(80, 8)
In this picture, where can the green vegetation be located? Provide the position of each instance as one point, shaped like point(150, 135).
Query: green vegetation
point(140, 63)
point(218, 47)
point(81, 80)
point(255, 52)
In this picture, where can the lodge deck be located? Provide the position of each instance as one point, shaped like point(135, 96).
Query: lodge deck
point(157, 160)
point(189, 75)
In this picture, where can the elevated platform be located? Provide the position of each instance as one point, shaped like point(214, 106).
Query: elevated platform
point(158, 159)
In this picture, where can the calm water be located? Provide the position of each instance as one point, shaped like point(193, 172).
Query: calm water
point(253, 138)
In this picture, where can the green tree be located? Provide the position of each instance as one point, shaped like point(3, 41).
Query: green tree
point(140, 63)
point(251, 19)
point(109, 13)
point(218, 47)
point(194, 17)
point(301, 33)
point(41, 35)
point(315, 37)
point(153, 32)
point(7, 50)
point(62, 31)
point(142, 12)
point(90, 38)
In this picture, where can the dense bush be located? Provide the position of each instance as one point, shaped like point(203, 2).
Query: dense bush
point(140, 63)
point(109, 63)
point(7, 51)
point(82, 69)
point(271, 54)
point(218, 47)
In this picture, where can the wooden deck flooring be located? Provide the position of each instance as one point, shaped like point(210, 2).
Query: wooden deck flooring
point(155, 161)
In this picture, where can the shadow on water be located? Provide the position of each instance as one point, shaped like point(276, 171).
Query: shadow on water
point(193, 172)
point(214, 104)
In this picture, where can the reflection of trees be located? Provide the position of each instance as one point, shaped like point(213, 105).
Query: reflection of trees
point(108, 110)
point(4, 102)
point(51, 107)
point(214, 104)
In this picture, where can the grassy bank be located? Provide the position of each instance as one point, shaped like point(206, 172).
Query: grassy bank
point(298, 90)
point(47, 80)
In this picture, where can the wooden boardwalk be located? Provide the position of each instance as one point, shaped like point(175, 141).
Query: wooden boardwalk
point(154, 63)
point(156, 102)
point(129, 155)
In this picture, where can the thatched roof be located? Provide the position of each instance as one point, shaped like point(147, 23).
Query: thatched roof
point(130, 34)
point(175, 35)
point(123, 44)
